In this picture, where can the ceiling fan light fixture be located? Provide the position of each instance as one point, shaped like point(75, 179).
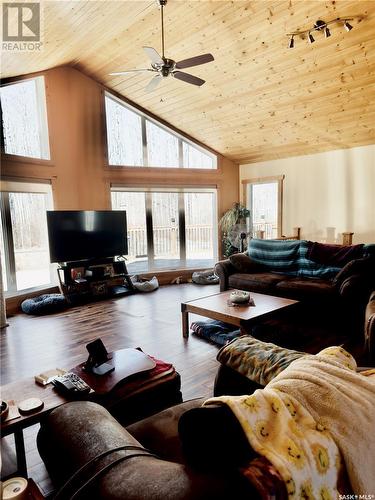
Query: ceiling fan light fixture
point(311, 38)
point(327, 33)
point(291, 42)
point(347, 26)
point(165, 67)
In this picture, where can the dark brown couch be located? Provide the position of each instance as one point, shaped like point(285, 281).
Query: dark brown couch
point(353, 282)
point(338, 303)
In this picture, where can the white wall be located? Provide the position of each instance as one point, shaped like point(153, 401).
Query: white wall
point(326, 193)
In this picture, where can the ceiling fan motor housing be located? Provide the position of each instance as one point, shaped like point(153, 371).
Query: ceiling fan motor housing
point(167, 67)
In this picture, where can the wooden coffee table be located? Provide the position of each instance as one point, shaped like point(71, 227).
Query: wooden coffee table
point(216, 307)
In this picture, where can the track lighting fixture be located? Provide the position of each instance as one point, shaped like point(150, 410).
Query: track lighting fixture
point(321, 26)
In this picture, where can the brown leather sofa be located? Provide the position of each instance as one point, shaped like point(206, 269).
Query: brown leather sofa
point(148, 460)
point(336, 304)
point(76, 432)
point(353, 282)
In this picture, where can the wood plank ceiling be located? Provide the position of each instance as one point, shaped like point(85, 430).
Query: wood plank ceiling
point(261, 100)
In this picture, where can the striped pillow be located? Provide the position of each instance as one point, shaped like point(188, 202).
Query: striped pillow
point(281, 256)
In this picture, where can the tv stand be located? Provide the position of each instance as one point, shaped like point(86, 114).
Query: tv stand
point(88, 280)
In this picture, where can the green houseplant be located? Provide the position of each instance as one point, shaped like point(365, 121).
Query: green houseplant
point(232, 224)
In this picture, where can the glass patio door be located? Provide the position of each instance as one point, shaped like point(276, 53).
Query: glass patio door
point(168, 229)
point(165, 230)
point(264, 200)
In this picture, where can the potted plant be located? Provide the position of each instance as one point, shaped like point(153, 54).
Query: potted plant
point(234, 228)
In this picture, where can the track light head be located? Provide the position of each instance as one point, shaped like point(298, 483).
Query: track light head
point(327, 33)
point(347, 26)
point(291, 42)
point(311, 38)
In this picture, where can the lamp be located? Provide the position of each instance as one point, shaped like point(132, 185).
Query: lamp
point(321, 26)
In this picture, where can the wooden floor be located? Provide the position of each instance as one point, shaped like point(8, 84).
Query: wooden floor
point(30, 345)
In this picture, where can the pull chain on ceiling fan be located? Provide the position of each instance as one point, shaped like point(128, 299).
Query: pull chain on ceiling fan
point(165, 67)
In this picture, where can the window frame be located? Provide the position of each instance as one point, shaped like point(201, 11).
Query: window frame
point(246, 194)
point(43, 122)
point(181, 218)
point(145, 117)
point(22, 186)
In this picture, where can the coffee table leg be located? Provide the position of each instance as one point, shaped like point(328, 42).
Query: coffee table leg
point(185, 321)
point(20, 453)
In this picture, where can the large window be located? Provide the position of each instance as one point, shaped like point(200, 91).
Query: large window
point(24, 118)
point(24, 239)
point(169, 229)
point(134, 140)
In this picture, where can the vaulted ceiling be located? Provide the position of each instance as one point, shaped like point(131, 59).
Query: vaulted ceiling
point(260, 101)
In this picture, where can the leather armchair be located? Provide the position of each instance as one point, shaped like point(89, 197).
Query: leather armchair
point(76, 432)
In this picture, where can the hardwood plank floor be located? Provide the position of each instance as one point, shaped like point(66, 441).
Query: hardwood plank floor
point(30, 344)
point(152, 321)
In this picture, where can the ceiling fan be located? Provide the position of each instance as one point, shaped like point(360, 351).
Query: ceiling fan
point(164, 67)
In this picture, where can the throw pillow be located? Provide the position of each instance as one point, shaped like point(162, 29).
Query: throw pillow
point(357, 266)
point(243, 264)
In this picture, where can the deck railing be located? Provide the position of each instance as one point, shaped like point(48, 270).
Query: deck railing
point(268, 228)
point(199, 239)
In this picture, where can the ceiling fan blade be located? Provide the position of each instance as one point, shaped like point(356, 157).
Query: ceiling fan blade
point(195, 61)
point(153, 83)
point(153, 55)
point(185, 77)
point(129, 71)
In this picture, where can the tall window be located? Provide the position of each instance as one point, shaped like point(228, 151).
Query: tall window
point(124, 135)
point(169, 229)
point(24, 118)
point(162, 147)
point(134, 140)
point(24, 239)
point(264, 199)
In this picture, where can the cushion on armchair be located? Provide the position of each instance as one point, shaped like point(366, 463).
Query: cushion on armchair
point(258, 361)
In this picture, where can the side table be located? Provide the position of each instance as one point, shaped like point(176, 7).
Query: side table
point(128, 399)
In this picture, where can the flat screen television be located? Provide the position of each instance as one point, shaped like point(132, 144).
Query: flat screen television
point(86, 234)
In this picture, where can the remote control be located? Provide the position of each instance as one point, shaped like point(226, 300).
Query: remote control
point(71, 384)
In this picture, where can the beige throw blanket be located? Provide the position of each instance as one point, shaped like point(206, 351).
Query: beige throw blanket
point(343, 402)
point(315, 407)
